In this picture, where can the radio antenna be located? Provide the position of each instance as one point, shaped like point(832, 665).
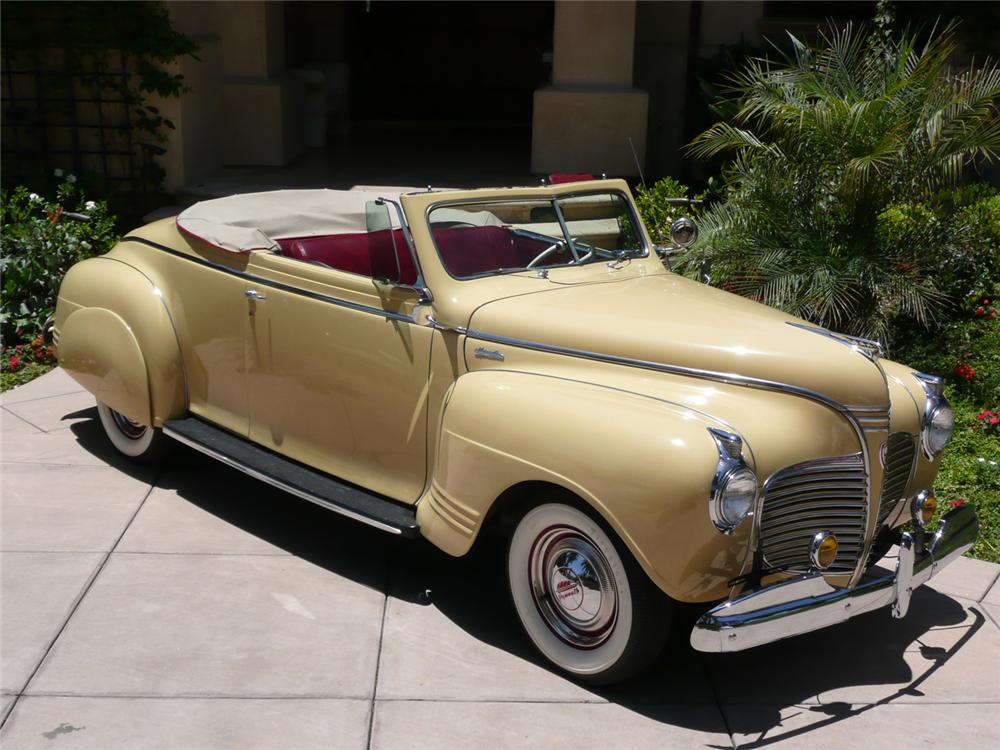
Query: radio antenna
point(637, 165)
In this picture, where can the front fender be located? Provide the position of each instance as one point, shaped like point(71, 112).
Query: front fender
point(644, 464)
point(115, 337)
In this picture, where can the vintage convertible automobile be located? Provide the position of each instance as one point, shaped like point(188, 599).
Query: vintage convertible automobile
point(523, 360)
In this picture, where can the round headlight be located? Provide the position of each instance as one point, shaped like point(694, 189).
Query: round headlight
point(938, 428)
point(735, 497)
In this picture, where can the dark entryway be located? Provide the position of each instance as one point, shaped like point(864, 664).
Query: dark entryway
point(436, 91)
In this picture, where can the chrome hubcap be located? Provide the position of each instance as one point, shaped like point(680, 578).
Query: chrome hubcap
point(128, 428)
point(572, 586)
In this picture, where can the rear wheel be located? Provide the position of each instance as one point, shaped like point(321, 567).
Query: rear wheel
point(583, 600)
point(133, 439)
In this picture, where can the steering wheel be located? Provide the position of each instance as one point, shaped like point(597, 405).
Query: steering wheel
point(546, 253)
point(592, 250)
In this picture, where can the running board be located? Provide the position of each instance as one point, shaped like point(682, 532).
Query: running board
point(295, 478)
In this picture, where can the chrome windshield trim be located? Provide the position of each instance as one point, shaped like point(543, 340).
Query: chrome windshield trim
point(356, 306)
point(553, 198)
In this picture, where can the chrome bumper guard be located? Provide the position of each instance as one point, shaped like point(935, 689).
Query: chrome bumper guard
point(808, 602)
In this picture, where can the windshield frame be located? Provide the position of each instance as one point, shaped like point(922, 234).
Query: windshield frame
point(553, 198)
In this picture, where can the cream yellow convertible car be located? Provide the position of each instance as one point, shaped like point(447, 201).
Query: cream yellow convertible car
point(433, 363)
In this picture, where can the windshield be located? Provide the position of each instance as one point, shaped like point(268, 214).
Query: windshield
point(505, 236)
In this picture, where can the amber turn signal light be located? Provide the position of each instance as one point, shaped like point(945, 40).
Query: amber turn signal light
point(923, 508)
point(823, 550)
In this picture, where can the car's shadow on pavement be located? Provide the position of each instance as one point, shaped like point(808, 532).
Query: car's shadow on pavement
point(864, 653)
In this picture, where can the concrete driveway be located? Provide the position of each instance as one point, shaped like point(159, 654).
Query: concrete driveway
point(188, 606)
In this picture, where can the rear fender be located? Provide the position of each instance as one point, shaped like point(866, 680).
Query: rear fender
point(115, 337)
point(645, 465)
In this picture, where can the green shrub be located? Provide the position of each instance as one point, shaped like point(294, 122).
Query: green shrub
point(832, 206)
point(970, 472)
point(39, 241)
point(654, 210)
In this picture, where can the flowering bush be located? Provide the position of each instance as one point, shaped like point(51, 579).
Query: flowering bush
point(40, 240)
point(989, 421)
point(17, 357)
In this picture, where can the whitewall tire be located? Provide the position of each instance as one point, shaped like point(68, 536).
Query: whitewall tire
point(581, 597)
point(130, 438)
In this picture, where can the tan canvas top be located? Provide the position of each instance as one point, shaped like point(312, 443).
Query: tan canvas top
point(254, 221)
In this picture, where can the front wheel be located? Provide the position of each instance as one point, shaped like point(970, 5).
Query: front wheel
point(583, 600)
point(133, 439)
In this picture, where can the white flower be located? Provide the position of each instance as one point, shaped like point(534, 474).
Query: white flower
point(90, 205)
point(34, 197)
point(57, 173)
point(71, 178)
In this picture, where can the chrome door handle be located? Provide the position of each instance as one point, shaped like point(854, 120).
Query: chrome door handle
point(254, 295)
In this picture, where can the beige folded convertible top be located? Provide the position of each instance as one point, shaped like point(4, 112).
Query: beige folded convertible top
point(255, 221)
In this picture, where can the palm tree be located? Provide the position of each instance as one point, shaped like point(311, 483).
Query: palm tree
point(826, 144)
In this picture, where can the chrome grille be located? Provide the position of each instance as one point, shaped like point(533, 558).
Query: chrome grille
point(827, 494)
point(898, 461)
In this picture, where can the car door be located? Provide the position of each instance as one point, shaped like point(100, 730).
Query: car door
point(337, 374)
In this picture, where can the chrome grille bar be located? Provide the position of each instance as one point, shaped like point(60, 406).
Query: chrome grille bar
point(801, 500)
point(898, 460)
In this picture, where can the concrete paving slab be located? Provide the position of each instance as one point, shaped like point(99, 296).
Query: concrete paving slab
point(461, 641)
point(433, 724)
point(873, 727)
point(203, 625)
point(993, 595)
point(6, 703)
point(190, 723)
point(956, 663)
point(49, 508)
point(966, 578)
point(55, 412)
point(38, 590)
point(84, 444)
point(993, 612)
point(12, 427)
point(53, 383)
point(869, 658)
point(427, 655)
point(168, 522)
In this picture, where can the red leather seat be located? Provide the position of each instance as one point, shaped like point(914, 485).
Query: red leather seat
point(374, 254)
point(467, 251)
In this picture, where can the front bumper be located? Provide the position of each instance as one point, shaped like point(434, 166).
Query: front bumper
point(808, 602)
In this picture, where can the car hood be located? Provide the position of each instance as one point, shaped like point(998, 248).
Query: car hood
point(669, 320)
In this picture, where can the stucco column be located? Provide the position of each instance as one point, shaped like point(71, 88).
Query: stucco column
point(583, 121)
point(263, 105)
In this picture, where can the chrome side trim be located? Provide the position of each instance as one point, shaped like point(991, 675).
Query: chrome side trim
point(356, 306)
point(278, 483)
point(808, 603)
point(867, 347)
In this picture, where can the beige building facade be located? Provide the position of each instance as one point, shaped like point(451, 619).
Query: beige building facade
point(614, 100)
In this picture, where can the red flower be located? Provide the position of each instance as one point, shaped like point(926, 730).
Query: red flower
point(964, 371)
point(980, 312)
point(39, 354)
point(12, 363)
point(994, 420)
point(958, 502)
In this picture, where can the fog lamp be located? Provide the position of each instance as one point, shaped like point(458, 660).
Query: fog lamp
point(823, 550)
point(923, 508)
